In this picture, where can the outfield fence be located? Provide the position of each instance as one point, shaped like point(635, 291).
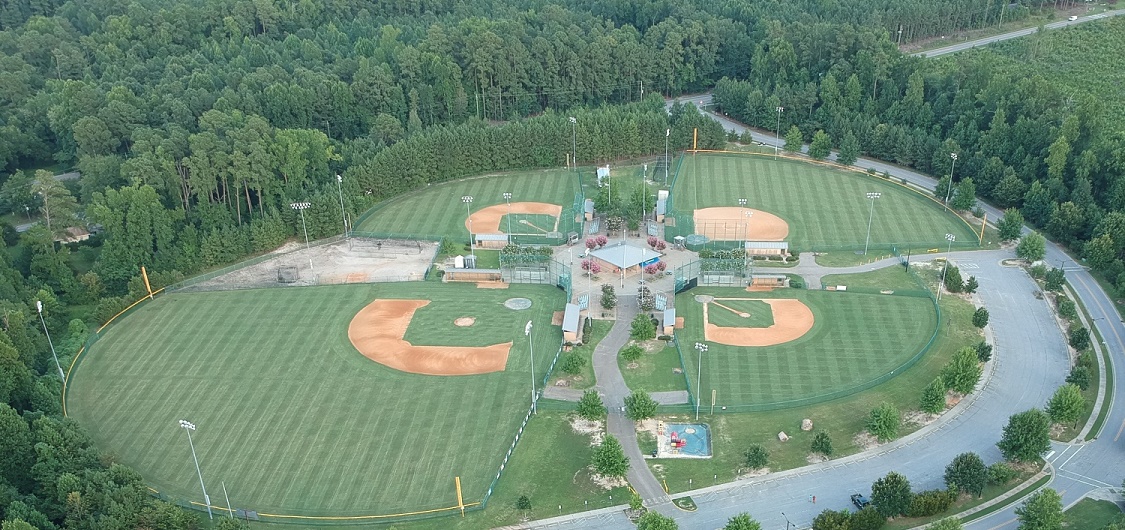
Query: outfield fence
point(922, 291)
point(680, 220)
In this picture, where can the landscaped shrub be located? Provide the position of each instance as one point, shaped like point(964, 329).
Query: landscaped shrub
point(573, 363)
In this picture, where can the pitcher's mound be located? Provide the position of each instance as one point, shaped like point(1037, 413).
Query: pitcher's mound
point(464, 321)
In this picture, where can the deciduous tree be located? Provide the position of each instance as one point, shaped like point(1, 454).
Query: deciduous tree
point(967, 473)
point(1043, 511)
point(884, 421)
point(1026, 437)
point(639, 406)
point(891, 495)
point(590, 406)
point(1066, 405)
point(609, 458)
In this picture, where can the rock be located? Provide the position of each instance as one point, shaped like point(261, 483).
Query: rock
point(782, 436)
point(806, 425)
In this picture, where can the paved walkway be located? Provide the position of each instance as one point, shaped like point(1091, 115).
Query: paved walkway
point(611, 384)
point(808, 269)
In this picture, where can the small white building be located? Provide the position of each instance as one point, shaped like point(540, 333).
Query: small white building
point(603, 173)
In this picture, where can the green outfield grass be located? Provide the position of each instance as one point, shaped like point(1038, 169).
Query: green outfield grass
point(824, 207)
point(290, 416)
point(654, 372)
point(761, 316)
point(438, 211)
point(856, 339)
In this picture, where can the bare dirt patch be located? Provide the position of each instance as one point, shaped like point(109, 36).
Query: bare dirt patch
point(378, 329)
point(358, 260)
point(919, 418)
point(792, 319)
point(487, 220)
point(464, 322)
point(865, 441)
point(557, 318)
point(815, 458)
point(730, 223)
point(492, 285)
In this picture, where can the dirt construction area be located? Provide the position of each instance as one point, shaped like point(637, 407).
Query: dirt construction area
point(378, 329)
point(357, 260)
point(730, 223)
point(792, 319)
point(487, 220)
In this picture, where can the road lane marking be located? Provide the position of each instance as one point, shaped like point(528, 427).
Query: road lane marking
point(1122, 428)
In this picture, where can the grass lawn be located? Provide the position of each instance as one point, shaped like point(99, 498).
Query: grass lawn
point(584, 379)
point(849, 258)
point(290, 416)
point(893, 278)
point(438, 211)
point(857, 338)
point(728, 313)
point(826, 208)
point(1091, 514)
point(654, 371)
point(842, 418)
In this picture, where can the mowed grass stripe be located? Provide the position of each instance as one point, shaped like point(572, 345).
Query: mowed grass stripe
point(857, 338)
point(290, 416)
point(438, 210)
point(823, 206)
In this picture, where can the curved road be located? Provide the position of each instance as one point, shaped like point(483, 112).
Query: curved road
point(1013, 34)
point(1029, 364)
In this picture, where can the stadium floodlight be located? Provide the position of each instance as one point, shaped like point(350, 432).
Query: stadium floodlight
point(951, 238)
point(301, 207)
point(777, 132)
point(872, 195)
point(188, 427)
point(39, 306)
point(702, 348)
point(531, 346)
point(950, 186)
point(340, 192)
point(468, 199)
point(508, 199)
point(574, 143)
point(746, 214)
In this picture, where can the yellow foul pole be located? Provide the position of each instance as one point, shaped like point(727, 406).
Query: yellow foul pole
point(144, 274)
point(460, 500)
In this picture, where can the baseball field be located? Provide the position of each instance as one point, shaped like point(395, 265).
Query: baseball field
point(823, 207)
point(293, 418)
point(813, 345)
point(438, 210)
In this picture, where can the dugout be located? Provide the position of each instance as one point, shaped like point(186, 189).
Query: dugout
point(769, 280)
point(767, 248)
point(668, 323)
point(472, 275)
point(572, 323)
point(491, 240)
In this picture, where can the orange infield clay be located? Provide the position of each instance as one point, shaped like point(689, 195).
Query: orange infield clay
point(487, 220)
point(791, 320)
point(377, 331)
point(729, 223)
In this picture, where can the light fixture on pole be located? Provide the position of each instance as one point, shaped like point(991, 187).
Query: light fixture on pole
point(340, 191)
point(39, 306)
point(189, 426)
point(777, 132)
point(508, 199)
point(667, 161)
point(951, 238)
point(574, 143)
point(702, 348)
point(872, 195)
point(950, 186)
point(531, 347)
point(745, 224)
point(300, 207)
point(468, 199)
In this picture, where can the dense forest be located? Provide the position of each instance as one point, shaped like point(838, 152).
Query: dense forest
point(195, 123)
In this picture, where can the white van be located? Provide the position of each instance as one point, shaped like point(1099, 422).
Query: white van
point(1073, 18)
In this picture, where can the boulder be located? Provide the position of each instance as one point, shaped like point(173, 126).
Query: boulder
point(782, 436)
point(806, 425)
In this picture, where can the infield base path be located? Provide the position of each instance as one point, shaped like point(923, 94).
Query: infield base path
point(378, 329)
point(729, 223)
point(792, 319)
point(487, 220)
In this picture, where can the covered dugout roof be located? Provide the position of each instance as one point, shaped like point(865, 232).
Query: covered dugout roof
point(767, 245)
point(670, 317)
point(625, 255)
point(570, 318)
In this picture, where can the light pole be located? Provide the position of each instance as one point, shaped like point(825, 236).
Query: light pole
point(870, 215)
point(644, 193)
point(300, 207)
point(189, 426)
point(777, 132)
point(468, 199)
point(950, 186)
point(574, 143)
point(508, 199)
point(340, 191)
point(667, 161)
point(531, 346)
point(702, 348)
point(745, 225)
point(951, 238)
point(787, 523)
point(39, 306)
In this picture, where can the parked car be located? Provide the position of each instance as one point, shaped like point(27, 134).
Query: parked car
point(1073, 18)
point(860, 501)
